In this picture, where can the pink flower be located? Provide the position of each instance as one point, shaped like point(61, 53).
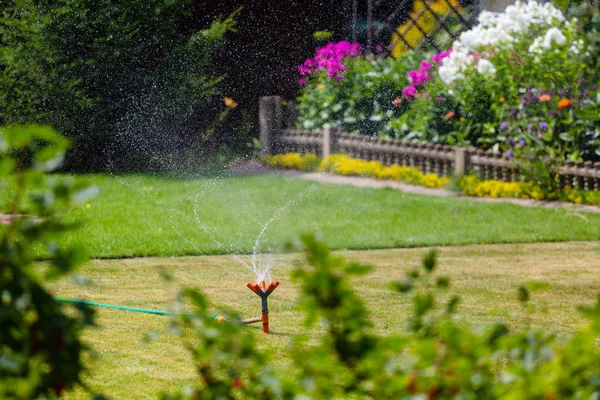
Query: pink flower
point(330, 58)
point(425, 66)
point(417, 78)
point(409, 92)
point(440, 99)
point(438, 58)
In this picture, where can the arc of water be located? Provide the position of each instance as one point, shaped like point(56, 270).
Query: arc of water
point(263, 276)
point(262, 272)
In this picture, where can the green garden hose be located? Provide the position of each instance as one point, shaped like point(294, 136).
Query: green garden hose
point(218, 317)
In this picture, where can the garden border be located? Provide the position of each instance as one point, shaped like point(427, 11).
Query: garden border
point(444, 160)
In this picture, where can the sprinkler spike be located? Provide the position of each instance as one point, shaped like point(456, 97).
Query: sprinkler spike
point(220, 318)
point(265, 322)
point(251, 320)
point(263, 292)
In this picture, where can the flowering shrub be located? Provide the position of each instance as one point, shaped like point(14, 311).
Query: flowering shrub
point(581, 196)
point(345, 165)
point(307, 162)
point(330, 60)
point(501, 32)
point(433, 115)
point(358, 97)
point(506, 60)
point(471, 186)
point(494, 88)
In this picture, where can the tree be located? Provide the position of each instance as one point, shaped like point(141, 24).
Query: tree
point(122, 79)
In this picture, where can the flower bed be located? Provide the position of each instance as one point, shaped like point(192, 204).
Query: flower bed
point(524, 83)
point(345, 165)
point(469, 185)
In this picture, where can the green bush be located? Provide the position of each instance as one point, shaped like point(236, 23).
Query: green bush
point(125, 80)
point(40, 346)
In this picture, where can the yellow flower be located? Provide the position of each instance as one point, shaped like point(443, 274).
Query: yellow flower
point(88, 205)
point(229, 102)
point(502, 99)
point(320, 86)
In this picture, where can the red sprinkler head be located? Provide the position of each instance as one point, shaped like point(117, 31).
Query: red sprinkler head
point(263, 291)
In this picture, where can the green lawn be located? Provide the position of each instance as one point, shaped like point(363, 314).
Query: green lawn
point(485, 276)
point(154, 216)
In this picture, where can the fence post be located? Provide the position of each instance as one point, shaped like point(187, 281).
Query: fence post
point(460, 161)
point(329, 141)
point(270, 119)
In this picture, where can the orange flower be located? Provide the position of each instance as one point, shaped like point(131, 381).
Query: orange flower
point(397, 101)
point(545, 98)
point(564, 103)
point(229, 102)
point(449, 115)
point(462, 119)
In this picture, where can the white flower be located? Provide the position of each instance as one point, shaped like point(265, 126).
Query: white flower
point(485, 67)
point(501, 31)
point(536, 46)
point(553, 35)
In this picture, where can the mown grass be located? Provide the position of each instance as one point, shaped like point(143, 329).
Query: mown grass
point(155, 216)
point(562, 276)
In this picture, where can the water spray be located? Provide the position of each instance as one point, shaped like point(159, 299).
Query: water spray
point(263, 291)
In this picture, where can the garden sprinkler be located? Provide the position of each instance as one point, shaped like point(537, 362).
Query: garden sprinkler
point(263, 291)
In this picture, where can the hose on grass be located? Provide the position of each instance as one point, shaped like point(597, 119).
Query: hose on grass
point(219, 318)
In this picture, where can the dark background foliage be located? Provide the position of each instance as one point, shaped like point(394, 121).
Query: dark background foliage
point(136, 84)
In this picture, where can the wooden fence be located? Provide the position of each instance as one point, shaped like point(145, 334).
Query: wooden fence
point(442, 160)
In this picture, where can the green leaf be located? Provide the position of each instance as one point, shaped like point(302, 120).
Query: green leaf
point(7, 166)
point(443, 282)
point(523, 294)
point(423, 303)
point(403, 286)
point(358, 269)
point(49, 159)
point(430, 261)
point(197, 298)
point(566, 137)
point(452, 304)
point(64, 260)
